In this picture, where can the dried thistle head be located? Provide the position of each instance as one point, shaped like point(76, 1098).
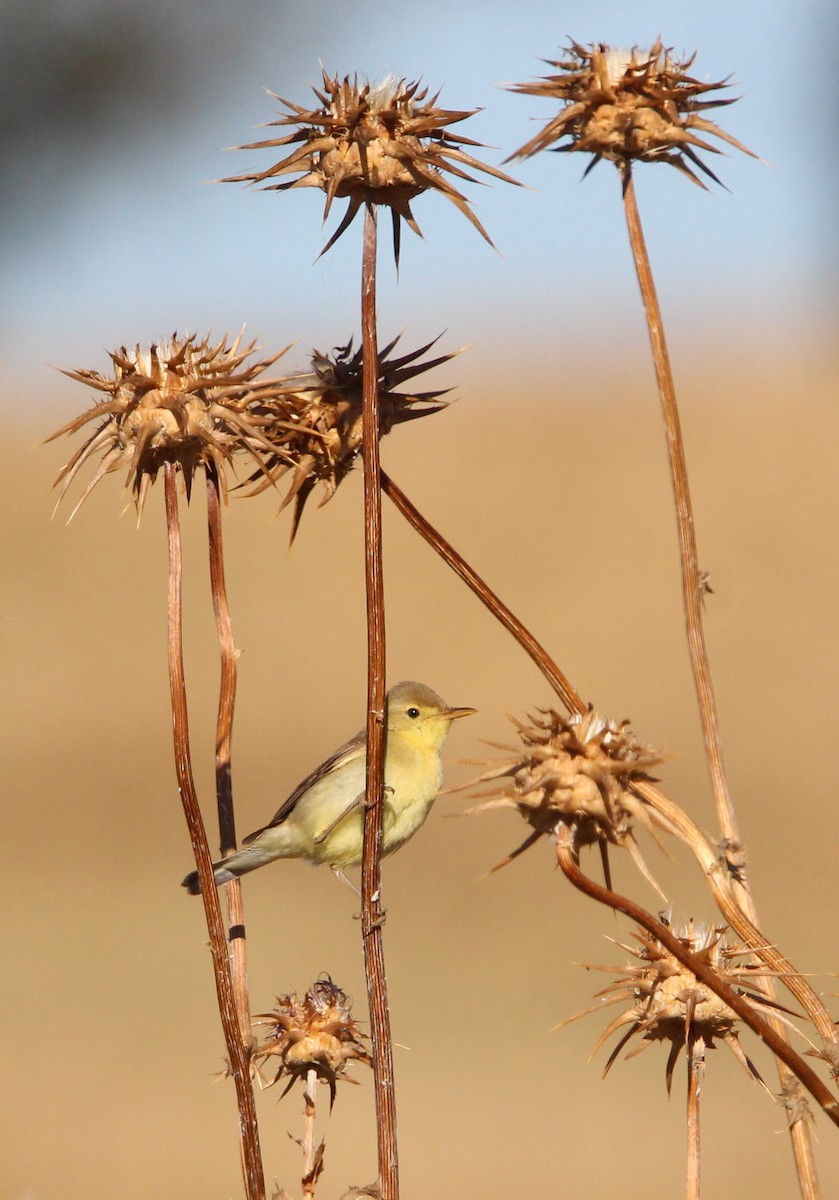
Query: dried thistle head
point(183, 401)
point(316, 424)
point(575, 771)
point(629, 106)
point(317, 1033)
point(667, 1003)
point(373, 144)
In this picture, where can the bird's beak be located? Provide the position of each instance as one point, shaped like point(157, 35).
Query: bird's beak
point(452, 714)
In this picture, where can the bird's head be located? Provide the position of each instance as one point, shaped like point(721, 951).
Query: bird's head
point(417, 712)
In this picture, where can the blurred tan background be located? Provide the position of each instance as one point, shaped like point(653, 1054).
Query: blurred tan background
point(548, 474)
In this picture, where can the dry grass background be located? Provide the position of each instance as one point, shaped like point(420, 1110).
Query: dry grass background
point(110, 1031)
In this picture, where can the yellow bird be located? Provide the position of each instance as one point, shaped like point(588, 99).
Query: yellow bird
point(322, 821)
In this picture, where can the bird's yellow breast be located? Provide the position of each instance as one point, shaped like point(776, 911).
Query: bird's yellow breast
point(413, 776)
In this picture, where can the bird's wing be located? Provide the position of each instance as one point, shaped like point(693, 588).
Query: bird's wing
point(354, 749)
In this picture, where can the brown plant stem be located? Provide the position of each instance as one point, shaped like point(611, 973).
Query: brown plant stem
point(567, 860)
point(561, 685)
point(718, 881)
point(372, 913)
point(692, 595)
point(695, 1065)
point(310, 1157)
point(691, 588)
point(239, 1063)
point(229, 656)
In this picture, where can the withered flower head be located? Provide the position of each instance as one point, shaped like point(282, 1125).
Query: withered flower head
point(575, 771)
point(373, 144)
point(629, 106)
point(184, 401)
point(317, 1033)
point(316, 424)
point(667, 1003)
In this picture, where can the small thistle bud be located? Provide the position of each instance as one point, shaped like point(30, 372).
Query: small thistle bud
point(576, 771)
point(629, 106)
point(183, 401)
point(373, 144)
point(316, 424)
point(667, 1003)
point(317, 1033)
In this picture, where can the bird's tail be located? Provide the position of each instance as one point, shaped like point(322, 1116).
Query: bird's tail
point(236, 864)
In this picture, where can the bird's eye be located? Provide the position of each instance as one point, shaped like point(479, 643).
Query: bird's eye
point(413, 713)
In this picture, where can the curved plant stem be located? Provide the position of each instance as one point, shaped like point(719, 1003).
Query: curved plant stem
point(229, 656)
point(691, 581)
point(566, 857)
point(692, 594)
point(239, 1062)
point(719, 883)
point(561, 685)
point(372, 913)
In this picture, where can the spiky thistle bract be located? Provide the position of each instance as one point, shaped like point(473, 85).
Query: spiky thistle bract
point(380, 144)
point(314, 1033)
point(185, 401)
point(665, 1002)
point(575, 771)
point(315, 425)
point(627, 106)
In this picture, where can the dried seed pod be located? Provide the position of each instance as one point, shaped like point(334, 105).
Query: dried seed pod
point(629, 106)
point(182, 401)
point(667, 1003)
point(576, 771)
point(316, 423)
point(373, 144)
point(317, 1033)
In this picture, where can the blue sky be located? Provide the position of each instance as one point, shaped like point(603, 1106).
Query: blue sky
point(138, 243)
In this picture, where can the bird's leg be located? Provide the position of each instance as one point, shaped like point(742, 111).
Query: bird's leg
point(339, 874)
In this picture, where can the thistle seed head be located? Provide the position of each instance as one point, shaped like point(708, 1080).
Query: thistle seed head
point(667, 1003)
point(317, 1033)
point(316, 424)
point(183, 401)
point(373, 144)
point(629, 106)
point(575, 770)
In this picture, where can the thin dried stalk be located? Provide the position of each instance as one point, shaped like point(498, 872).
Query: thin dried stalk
point(560, 684)
point(239, 1059)
point(372, 913)
point(719, 883)
point(692, 595)
point(312, 1155)
point(695, 1066)
point(566, 858)
point(229, 656)
point(691, 576)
